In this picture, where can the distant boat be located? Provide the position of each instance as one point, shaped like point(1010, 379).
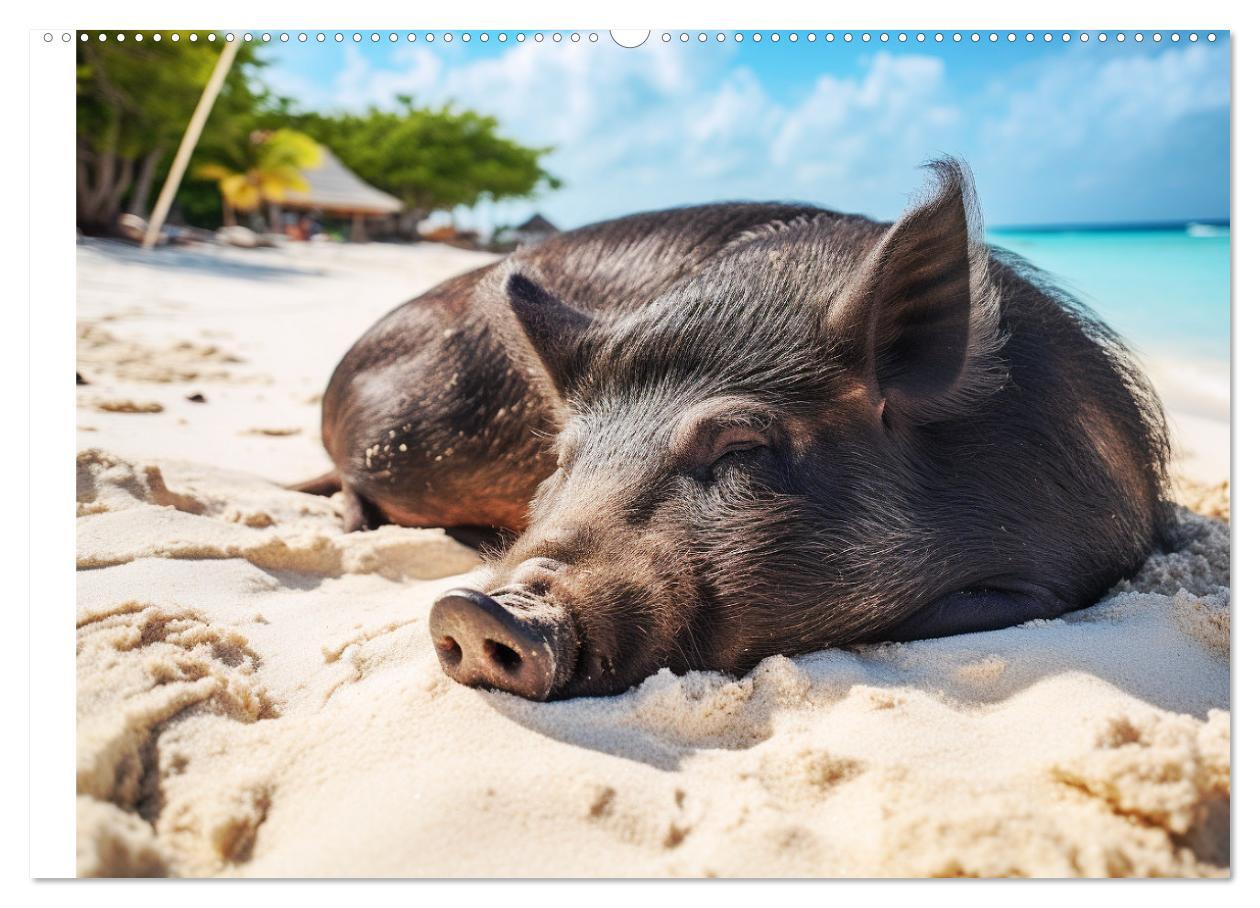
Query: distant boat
point(1206, 230)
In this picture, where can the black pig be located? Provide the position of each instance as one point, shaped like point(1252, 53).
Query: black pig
point(732, 431)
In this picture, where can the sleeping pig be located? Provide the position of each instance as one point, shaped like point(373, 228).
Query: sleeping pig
point(730, 431)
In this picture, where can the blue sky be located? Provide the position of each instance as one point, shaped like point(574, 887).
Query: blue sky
point(1055, 133)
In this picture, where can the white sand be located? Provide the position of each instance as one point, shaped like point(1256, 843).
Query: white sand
point(258, 695)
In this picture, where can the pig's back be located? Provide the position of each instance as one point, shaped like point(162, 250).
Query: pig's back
point(623, 264)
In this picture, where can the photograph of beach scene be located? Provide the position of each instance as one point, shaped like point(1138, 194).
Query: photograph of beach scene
point(258, 694)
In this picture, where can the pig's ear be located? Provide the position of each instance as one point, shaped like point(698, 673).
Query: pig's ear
point(920, 320)
point(554, 330)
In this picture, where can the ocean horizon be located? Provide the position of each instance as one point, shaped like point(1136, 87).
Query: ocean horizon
point(1164, 288)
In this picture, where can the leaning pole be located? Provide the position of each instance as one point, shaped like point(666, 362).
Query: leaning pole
point(186, 145)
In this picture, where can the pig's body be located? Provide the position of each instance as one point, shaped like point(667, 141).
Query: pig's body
point(779, 429)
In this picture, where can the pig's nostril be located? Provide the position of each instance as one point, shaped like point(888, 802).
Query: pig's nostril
point(502, 655)
point(449, 651)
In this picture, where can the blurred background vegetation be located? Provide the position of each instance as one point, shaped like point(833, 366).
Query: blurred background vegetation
point(135, 98)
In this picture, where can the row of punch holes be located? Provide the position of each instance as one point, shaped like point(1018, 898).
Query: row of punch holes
point(684, 37)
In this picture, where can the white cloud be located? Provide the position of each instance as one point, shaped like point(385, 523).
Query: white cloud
point(1086, 103)
point(359, 84)
point(667, 124)
point(882, 116)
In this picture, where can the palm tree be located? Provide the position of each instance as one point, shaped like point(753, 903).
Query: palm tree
point(272, 166)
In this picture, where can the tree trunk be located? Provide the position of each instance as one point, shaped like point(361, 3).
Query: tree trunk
point(144, 183)
point(229, 213)
point(122, 182)
point(102, 178)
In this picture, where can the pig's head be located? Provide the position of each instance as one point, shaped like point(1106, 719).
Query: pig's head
point(733, 458)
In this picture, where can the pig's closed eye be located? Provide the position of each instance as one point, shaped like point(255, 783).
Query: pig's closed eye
point(732, 454)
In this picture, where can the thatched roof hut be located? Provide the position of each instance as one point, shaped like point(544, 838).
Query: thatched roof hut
point(535, 230)
point(336, 190)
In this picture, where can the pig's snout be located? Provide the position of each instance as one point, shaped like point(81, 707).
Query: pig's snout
point(511, 643)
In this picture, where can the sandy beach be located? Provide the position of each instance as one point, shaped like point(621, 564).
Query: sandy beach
point(258, 695)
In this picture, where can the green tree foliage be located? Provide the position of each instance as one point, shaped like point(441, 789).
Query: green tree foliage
point(432, 158)
point(134, 99)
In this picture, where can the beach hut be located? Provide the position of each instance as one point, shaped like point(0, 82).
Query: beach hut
point(535, 230)
point(336, 191)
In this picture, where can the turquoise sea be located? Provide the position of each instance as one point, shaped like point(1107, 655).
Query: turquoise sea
point(1165, 290)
